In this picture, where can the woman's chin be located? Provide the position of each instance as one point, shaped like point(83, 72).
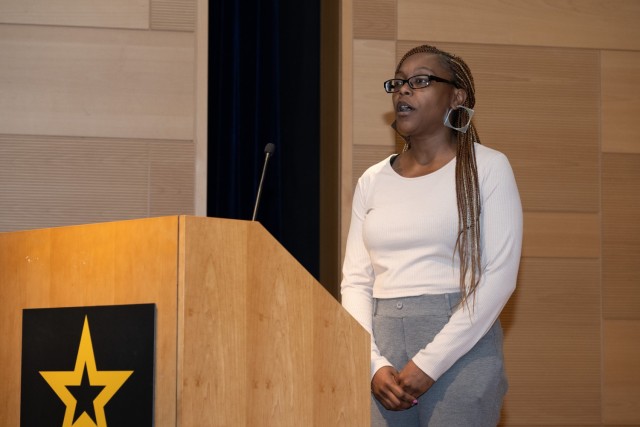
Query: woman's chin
point(403, 129)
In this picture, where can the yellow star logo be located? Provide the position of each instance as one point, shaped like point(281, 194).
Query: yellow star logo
point(108, 381)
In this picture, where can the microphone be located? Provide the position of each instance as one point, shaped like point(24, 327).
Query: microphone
point(268, 151)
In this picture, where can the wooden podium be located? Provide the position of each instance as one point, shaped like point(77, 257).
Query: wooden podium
point(245, 336)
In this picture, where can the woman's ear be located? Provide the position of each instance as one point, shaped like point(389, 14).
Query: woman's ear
point(459, 97)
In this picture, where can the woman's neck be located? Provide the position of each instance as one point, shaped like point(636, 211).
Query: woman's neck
point(425, 156)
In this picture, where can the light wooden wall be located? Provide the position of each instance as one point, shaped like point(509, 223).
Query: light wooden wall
point(103, 110)
point(558, 92)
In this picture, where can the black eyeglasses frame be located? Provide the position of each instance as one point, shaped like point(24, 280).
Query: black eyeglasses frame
point(430, 78)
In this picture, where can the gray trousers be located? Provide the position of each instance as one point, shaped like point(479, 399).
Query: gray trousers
point(469, 394)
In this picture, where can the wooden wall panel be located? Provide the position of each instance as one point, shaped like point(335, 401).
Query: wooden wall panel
point(374, 62)
point(93, 82)
point(578, 24)
point(201, 117)
point(561, 235)
point(347, 96)
point(55, 181)
point(552, 343)
point(100, 14)
point(374, 19)
point(621, 236)
point(620, 102)
point(171, 178)
point(621, 379)
point(173, 15)
point(540, 106)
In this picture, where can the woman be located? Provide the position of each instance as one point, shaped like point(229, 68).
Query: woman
point(433, 254)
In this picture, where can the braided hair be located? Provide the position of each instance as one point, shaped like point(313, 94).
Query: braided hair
point(467, 188)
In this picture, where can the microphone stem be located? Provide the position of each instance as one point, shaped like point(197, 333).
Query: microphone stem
point(264, 169)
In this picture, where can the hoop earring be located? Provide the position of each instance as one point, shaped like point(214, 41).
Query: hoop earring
point(464, 128)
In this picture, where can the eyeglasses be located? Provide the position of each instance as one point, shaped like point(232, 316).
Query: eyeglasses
point(415, 82)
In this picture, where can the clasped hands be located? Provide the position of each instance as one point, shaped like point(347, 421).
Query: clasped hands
point(397, 391)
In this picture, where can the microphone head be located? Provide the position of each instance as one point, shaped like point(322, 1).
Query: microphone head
point(269, 148)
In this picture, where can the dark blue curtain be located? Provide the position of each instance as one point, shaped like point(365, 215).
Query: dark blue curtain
point(264, 88)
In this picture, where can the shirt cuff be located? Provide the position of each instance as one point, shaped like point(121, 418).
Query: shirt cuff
point(377, 363)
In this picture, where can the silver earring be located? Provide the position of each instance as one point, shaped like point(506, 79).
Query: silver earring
point(464, 128)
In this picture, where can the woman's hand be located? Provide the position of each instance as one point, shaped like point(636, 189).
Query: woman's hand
point(387, 390)
point(413, 380)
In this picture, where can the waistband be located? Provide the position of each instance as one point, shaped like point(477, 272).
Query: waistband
point(437, 304)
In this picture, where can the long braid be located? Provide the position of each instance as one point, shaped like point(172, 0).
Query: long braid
point(468, 244)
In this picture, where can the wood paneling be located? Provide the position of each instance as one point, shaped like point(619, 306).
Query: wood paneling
point(55, 181)
point(374, 62)
point(201, 117)
point(286, 352)
point(552, 343)
point(245, 336)
point(561, 235)
point(102, 264)
point(374, 19)
point(93, 82)
point(346, 118)
point(171, 178)
point(621, 376)
point(620, 102)
point(621, 236)
point(540, 106)
point(277, 338)
point(579, 24)
point(105, 14)
point(173, 15)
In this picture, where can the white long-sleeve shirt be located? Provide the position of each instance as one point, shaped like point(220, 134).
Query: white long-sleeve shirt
point(402, 240)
